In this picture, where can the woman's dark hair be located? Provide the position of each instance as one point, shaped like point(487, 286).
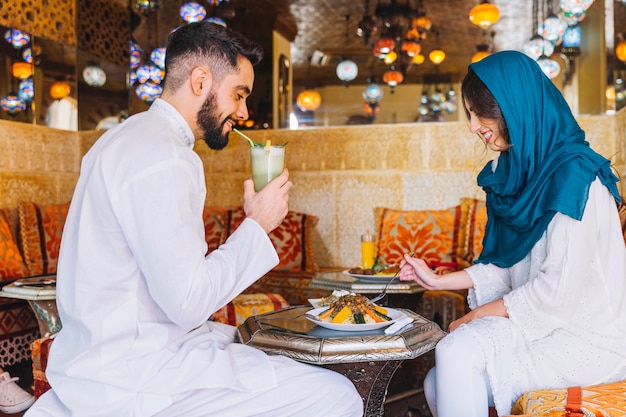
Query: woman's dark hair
point(210, 44)
point(478, 97)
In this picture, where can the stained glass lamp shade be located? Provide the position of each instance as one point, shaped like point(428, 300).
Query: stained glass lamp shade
point(157, 56)
point(192, 12)
point(148, 91)
point(94, 76)
point(309, 100)
point(26, 90)
point(12, 104)
point(347, 70)
point(149, 72)
point(17, 38)
point(373, 93)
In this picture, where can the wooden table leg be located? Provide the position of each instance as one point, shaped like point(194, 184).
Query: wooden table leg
point(371, 380)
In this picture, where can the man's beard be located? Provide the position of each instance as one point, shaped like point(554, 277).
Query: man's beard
point(210, 124)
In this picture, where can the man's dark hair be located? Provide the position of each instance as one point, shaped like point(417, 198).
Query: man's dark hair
point(210, 44)
point(482, 102)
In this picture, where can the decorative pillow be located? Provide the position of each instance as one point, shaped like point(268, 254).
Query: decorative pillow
point(40, 231)
point(247, 305)
point(607, 400)
point(471, 230)
point(292, 239)
point(214, 226)
point(12, 263)
point(40, 349)
point(429, 234)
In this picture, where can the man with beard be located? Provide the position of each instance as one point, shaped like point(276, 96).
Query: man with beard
point(134, 288)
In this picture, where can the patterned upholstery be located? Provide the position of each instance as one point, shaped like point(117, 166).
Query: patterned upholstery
point(214, 226)
point(41, 227)
point(607, 400)
point(247, 305)
point(12, 265)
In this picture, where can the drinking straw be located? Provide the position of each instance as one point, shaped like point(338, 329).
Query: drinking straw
point(250, 141)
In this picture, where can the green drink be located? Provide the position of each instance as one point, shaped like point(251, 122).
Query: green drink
point(267, 164)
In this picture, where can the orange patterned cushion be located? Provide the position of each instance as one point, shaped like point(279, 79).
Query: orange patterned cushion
point(214, 226)
point(429, 234)
point(12, 264)
point(40, 231)
point(247, 305)
point(40, 349)
point(607, 400)
point(292, 240)
point(471, 230)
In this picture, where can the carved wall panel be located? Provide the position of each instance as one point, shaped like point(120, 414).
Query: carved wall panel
point(103, 28)
point(50, 19)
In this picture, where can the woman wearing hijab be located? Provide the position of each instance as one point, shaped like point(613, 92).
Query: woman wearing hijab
point(548, 292)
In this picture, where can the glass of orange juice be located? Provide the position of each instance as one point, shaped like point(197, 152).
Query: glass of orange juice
point(368, 251)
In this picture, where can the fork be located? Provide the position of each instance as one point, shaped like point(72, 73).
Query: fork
point(384, 293)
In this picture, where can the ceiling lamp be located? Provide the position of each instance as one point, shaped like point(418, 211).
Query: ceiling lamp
point(484, 15)
point(549, 66)
point(148, 91)
point(147, 6)
point(94, 76)
point(482, 51)
point(437, 56)
point(21, 70)
point(309, 100)
point(347, 70)
point(372, 93)
point(393, 77)
point(12, 104)
point(149, 72)
point(26, 90)
point(136, 52)
point(60, 90)
point(411, 48)
point(620, 51)
point(419, 59)
point(192, 12)
point(552, 28)
point(538, 46)
point(17, 38)
point(157, 56)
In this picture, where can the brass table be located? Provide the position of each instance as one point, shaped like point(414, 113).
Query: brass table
point(40, 292)
point(402, 294)
point(369, 359)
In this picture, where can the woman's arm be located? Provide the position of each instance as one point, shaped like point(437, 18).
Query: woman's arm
point(413, 269)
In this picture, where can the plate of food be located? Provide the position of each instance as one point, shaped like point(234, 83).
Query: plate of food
point(372, 274)
point(353, 313)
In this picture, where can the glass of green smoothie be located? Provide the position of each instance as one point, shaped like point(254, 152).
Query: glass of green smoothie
point(267, 163)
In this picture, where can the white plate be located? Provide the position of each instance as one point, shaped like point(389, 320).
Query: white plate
point(316, 302)
point(312, 316)
point(386, 277)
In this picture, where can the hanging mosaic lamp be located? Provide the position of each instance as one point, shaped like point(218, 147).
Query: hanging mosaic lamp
point(620, 51)
point(482, 51)
point(148, 91)
point(21, 70)
point(552, 29)
point(419, 59)
point(570, 18)
point(94, 76)
point(372, 93)
point(136, 52)
point(26, 90)
point(437, 56)
point(309, 100)
point(538, 46)
point(12, 104)
point(484, 15)
point(393, 77)
point(216, 20)
point(192, 12)
point(147, 6)
point(575, 7)
point(149, 72)
point(27, 55)
point(390, 58)
point(157, 56)
point(549, 66)
point(131, 78)
point(347, 70)
point(60, 90)
point(17, 38)
point(411, 48)
point(385, 45)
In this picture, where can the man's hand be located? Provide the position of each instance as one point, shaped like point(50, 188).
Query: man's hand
point(269, 206)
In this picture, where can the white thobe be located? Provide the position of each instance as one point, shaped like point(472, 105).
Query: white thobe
point(566, 302)
point(134, 289)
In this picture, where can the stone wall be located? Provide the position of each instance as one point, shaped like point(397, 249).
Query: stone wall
point(340, 174)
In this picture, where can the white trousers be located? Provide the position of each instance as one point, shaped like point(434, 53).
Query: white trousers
point(458, 384)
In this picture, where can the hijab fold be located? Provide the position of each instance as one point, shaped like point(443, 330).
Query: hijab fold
point(548, 168)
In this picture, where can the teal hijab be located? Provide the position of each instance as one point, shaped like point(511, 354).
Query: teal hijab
point(548, 168)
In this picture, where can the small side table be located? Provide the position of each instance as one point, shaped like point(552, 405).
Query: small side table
point(369, 359)
point(40, 292)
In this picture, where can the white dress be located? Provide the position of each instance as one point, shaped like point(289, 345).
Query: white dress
point(566, 302)
point(134, 292)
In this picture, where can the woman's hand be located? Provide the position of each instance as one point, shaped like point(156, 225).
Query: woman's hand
point(494, 308)
point(414, 269)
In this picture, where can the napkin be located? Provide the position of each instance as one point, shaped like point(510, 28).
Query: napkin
point(398, 325)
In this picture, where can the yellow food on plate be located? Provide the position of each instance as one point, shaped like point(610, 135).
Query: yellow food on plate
point(354, 309)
